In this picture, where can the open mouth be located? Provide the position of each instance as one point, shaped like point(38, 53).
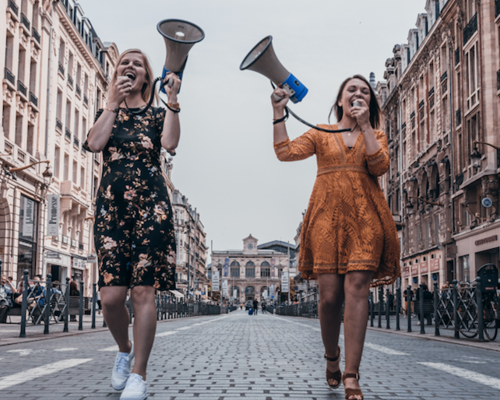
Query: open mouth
point(130, 75)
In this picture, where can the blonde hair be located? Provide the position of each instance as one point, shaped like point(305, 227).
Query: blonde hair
point(148, 85)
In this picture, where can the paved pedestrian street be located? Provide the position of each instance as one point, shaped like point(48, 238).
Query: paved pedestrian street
point(240, 356)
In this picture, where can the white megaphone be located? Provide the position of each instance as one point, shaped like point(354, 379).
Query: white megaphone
point(179, 37)
point(263, 60)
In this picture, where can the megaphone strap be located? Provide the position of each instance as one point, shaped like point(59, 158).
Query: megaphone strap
point(282, 119)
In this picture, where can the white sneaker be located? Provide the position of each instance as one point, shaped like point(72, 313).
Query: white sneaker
point(121, 370)
point(136, 388)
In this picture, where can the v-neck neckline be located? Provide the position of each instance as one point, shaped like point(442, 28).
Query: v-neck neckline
point(342, 139)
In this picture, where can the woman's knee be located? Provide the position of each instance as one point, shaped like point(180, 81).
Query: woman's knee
point(142, 294)
point(113, 297)
point(358, 284)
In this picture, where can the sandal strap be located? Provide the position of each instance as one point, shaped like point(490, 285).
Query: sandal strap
point(351, 375)
point(333, 359)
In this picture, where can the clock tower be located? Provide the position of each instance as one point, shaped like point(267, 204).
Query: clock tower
point(250, 245)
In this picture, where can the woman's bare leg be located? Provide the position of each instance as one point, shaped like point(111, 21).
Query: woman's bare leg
point(143, 301)
point(331, 290)
point(116, 315)
point(356, 289)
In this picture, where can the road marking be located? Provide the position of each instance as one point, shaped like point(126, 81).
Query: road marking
point(385, 350)
point(67, 349)
point(33, 373)
point(165, 333)
point(22, 353)
point(466, 374)
point(183, 329)
point(112, 348)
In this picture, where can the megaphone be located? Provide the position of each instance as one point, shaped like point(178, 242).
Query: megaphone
point(263, 59)
point(179, 37)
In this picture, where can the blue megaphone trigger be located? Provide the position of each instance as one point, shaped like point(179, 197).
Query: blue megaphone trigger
point(296, 88)
point(164, 74)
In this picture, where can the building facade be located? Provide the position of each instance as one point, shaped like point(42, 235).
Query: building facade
point(439, 98)
point(255, 271)
point(56, 74)
point(190, 235)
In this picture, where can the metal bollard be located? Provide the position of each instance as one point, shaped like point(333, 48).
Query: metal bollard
point(80, 316)
point(480, 316)
point(372, 311)
point(24, 306)
point(94, 302)
point(436, 306)
point(421, 304)
point(387, 310)
point(48, 291)
point(408, 307)
point(456, 321)
point(398, 307)
point(380, 305)
point(66, 309)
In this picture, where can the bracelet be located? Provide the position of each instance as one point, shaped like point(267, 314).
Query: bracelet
point(174, 110)
point(116, 110)
point(174, 105)
point(282, 119)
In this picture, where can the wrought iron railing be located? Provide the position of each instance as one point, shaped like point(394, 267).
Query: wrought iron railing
point(59, 124)
point(25, 21)
point(35, 34)
point(13, 6)
point(431, 92)
point(470, 29)
point(22, 88)
point(61, 68)
point(497, 8)
point(76, 142)
point(85, 99)
point(9, 76)
point(70, 80)
point(444, 76)
point(78, 91)
point(33, 99)
point(67, 133)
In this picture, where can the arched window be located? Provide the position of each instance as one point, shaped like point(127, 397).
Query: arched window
point(235, 271)
point(235, 264)
point(265, 270)
point(250, 270)
point(249, 291)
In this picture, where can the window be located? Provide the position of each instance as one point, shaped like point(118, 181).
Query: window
point(70, 64)
point(68, 115)
point(59, 105)
point(66, 167)
point(250, 270)
point(22, 65)
point(6, 120)
point(57, 155)
point(265, 272)
point(82, 178)
point(235, 272)
point(30, 139)
point(84, 129)
point(33, 75)
point(75, 172)
point(19, 130)
point(77, 121)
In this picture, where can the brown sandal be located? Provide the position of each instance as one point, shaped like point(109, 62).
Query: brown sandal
point(337, 375)
point(351, 392)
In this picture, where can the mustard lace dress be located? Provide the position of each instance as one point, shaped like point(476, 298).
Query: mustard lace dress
point(348, 225)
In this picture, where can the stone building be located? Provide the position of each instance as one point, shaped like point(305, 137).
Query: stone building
point(439, 97)
point(190, 235)
point(254, 271)
point(56, 74)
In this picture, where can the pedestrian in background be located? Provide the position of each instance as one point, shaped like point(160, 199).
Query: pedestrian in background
point(255, 306)
point(7, 291)
point(348, 237)
point(134, 230)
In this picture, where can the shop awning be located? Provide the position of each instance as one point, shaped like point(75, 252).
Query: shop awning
point(177, 294)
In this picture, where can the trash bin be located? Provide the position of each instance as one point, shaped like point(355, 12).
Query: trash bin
point(489, 278)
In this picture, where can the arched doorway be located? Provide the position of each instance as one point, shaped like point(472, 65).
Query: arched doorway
point(232, 293)
point(249, 293)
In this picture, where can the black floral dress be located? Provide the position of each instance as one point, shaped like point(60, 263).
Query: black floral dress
point(133, 229)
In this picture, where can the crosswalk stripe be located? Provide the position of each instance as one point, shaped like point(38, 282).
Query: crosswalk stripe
point(465, 374)
point(165, 333)
point(111, 348)
point(184, 328)
point(33, 373)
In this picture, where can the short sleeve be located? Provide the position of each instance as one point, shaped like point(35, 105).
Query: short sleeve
point(86, 144)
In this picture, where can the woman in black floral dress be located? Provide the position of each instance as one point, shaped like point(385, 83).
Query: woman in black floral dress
point(133, 229)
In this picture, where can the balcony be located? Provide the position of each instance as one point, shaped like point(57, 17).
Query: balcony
point(65, 239)
point(70, 81)
point(33, 100)
point(67, 133)
point(22, 89)
point(59, 125)
point(61, 69)
point(421, 104)
point(431, 92)
point(10, 77)
point(25, 21)
point(444, 76)
point(13, 6)
point(74, 243)
point(471, 28)
point(78, 90)
point(412, 115)
point(76, 142)
point(35, 35)
point(85, 100)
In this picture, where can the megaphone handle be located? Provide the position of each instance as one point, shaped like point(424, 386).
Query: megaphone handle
point(170, 83)
point(277, 98)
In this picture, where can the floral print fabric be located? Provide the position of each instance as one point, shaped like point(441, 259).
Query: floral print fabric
point(133, 229)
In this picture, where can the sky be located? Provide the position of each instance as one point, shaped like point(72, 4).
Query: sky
point(225, 163)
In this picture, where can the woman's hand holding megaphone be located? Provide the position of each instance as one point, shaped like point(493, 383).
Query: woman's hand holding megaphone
point(279, 100)
point(172, 83)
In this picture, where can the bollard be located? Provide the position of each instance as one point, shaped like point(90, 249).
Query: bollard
point(372, 311)
point(398, 307)
point(24, 306)
point(94, 302)
point(480, 315)
point(48, 291)
point(130, 307)
point(80, 316)
point(456, 321)
point(380, 305)
point(387, 310)
point(66, 309)
point(436, 306)
point(408, 307)
point(421, 306)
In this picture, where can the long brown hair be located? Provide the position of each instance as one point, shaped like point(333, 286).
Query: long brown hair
point(148, 86)
point(375, 112)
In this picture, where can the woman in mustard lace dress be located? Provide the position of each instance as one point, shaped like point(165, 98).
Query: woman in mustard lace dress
point(348, 239)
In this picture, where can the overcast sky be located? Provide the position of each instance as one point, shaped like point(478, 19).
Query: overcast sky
point(225, 162)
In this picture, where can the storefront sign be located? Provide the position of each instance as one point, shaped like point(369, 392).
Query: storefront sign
point(414, 270)
point(215, 281)
point(424, 267)
point(224, 287)
point(486, 240)
point(92, 259)
point(29, 217)
point(435, 265)
point(284, 282)
point(53, 217)
point(405, 272)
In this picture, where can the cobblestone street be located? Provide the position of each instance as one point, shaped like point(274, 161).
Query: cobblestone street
point(259, 357)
